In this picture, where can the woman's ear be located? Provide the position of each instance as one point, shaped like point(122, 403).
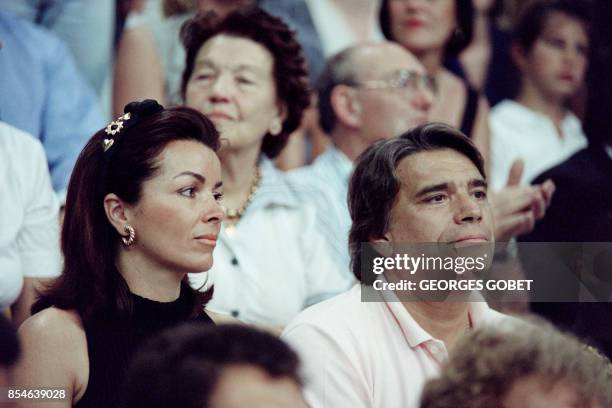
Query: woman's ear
point(115, 212)
point(519, 56)
point(276, 126)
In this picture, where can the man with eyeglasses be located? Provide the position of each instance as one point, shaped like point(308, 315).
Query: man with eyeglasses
point(374, 91)
point(367, 92)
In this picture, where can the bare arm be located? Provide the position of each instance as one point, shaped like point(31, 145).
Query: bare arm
point(20, 310)
point(138, 70)
point(481, 134)
point(54, 355)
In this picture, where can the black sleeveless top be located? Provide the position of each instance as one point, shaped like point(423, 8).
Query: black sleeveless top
point(111, 344)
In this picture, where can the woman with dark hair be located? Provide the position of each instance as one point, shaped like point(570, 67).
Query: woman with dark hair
point(550, 49)
point(435, 31)
point(142, 211)
point(245, 71)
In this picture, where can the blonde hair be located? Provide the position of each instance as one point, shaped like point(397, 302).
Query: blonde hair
point(487, 362)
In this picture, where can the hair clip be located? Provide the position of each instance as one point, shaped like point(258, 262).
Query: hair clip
point(113, 128)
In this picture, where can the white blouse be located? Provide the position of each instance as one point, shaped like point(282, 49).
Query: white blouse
point(275, 263)
point(519, 132)
point(29, 214)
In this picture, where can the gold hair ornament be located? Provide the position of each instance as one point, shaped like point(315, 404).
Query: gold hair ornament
point(113, 128)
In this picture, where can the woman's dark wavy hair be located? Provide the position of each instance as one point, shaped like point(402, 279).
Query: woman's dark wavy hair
point(289, 69)
point(90, 282)
point(182, 366)
point(374, 185)
point(459, 40)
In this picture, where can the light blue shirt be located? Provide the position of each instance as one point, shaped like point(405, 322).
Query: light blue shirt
point(43, 93)
point(325, 184)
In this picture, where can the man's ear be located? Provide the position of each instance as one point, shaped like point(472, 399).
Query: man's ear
point(382, 245)
point(346, 106)
point(116, 212)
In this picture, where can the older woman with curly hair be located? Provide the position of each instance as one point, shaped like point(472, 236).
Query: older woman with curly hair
point(245, 71)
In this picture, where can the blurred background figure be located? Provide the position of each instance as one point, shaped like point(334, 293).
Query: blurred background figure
point(227, 366)
point(246, 72)
point(87, 28)
point(435, 31)
point(359, 103)
point(29, 237)
point(44, 94)
point(150, 56)
point(326, 27)
point(323, 28)
point(9, 350)
point(151, 59)
point(142, 211)
point(582, 209)
point(485, 63)
point(550, 48)
point(518, 364)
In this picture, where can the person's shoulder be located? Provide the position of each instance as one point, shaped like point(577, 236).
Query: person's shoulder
point(342, 313)
point(54, 329)
point(569, 169)
point(18, 144)
point(506, 109)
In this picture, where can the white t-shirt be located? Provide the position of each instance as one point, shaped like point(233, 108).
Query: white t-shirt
point(29, 223)
point(519, 132)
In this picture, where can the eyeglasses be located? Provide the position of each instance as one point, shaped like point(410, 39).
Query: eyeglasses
point(401, 79)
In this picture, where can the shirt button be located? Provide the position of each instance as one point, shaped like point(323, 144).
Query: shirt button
point(234, 261)
point(235, 313)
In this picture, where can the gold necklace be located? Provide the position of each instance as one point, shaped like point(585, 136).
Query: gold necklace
point(233, 216)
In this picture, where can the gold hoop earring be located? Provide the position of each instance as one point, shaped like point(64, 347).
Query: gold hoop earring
point(129, 240)
point(275, 127)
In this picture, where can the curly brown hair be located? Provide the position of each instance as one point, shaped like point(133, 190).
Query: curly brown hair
point(487, 363)
point(289, 69)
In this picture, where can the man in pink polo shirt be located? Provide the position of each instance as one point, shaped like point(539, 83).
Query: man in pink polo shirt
point(428, 186)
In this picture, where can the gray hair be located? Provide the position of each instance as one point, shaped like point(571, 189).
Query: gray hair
point(375, 184)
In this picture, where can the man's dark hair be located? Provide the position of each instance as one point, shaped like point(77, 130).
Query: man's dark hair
point(9, 343)
point(375, 184)
point(181, 366)
point(289, 66)
point(533, 19)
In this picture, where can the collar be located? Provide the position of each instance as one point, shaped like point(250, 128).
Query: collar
point(569, 120)
point(415, 335)
point(274, 189)
point(334, 159)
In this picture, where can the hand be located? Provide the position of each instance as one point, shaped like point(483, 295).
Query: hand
point(516, 208)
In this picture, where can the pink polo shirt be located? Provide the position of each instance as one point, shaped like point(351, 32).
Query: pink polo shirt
point(367, 354)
